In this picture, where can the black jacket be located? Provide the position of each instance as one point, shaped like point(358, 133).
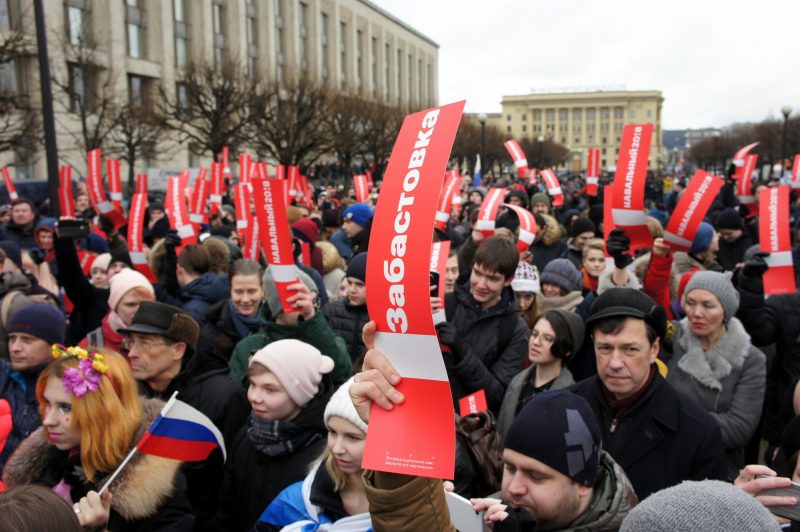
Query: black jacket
point(543, 254)
point(731, 254)
point(207, 387)
point(253, 479)
point(484, 363)
point(89, 303)
point(662, 440)
point(347, 321)
point(218, 336)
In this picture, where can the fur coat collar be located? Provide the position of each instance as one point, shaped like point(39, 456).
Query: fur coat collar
point(725, 356)
point(140, 490)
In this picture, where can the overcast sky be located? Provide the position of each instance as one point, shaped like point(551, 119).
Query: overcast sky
point(715, 61)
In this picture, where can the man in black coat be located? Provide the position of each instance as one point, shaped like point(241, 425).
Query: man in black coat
point(659, 437)
point(162, 339)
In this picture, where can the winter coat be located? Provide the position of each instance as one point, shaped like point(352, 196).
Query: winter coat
point(197, 297)
point(664, 439)
point(347, 321)
point(512, 399)
point(728, 381)
point(104, 337)
point(19, 389)
point(89, 303)
point(483, 363)
point(21, 234)
point(253, 479)
point(148, 495)
point(314, 331)
point(400, 502)
point(312, 503)
point(218, 337)
point(732, 253)
point(204, 385)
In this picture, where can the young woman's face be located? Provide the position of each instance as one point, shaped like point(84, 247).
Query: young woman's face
point(551, 290)
point(541, 343)
point(246, 294)
point(57, 417)
point(704, 311)
point(127, 306)
point(269, 400)
point(346, 444)
point(99, 277)
point(524, 301)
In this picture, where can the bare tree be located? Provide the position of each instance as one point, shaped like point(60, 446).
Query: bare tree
point(543, 154)
point(20, 126)
point(290, 121)
point(210, 108)
point(346, 117)
point(468, 144)
point(381, 127)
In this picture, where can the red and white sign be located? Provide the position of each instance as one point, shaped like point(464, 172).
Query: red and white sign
point(280, 172)
point(744, 184)
point(215, 197)
point(773, 232)
point(629, 184)
point(691, 210)
point(520, 161)
point(553, 187)
point(532, 176)
point(66, 201)
point(446, 201)
point(245, 163)
point(474, 403)
point(293, 181)
point(135, 243)
point(97, 194)
point(241, 201)
point(177, 212)
point(592, 171)
point(369, 180)
point(305, 253)
point(739, 156)
point(252, 240)
point(527, 227)
point(276, 240)
point(225, 159)
point(795, 181)
point(12, 191)
point(141, 184)
point(198, 212)
point(114, 182)
point(439, 252)
point(361, 186)
point(488, 211)
point(398, 302)
point(608, 219)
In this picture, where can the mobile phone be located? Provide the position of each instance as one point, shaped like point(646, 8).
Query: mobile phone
point(789, 512)
point(434, 283)
point(72, 228)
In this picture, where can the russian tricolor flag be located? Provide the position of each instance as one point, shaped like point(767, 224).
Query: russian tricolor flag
point(181, 432)
point(477, 180)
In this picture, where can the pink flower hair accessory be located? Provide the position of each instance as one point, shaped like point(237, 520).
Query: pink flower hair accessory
point(87, 376)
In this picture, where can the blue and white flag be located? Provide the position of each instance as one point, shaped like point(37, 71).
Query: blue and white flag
point(477, 180)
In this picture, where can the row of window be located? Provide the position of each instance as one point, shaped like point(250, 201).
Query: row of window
point(577, 114)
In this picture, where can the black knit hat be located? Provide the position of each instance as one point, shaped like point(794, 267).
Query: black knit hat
point(628, 302)
point(729, 219)
point(581, 225)
point(357, 267)
point(514, 193)
point(559, 429)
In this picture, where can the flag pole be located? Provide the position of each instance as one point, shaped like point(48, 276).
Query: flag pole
point(135, 447)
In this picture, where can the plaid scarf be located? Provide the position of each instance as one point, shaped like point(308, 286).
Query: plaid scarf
point(279, 438)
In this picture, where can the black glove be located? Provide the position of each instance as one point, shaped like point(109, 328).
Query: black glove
point(756, 266)
point(448, 335)
point(172, 240)
point(105, 224)
point(618, 246)
point(518, 519)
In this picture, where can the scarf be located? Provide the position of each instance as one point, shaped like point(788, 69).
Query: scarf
point(567, 302)
point(115, 322)
point(619, 407)
point(64, 472)
point(244, 325)
point(279, 438)
point(725, 356)
point(589, 282)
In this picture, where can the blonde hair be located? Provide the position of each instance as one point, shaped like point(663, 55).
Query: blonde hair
point(594, 244)
point(107, 418)
point(330, 257)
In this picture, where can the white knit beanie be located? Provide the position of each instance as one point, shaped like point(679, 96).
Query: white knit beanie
point(341, 405)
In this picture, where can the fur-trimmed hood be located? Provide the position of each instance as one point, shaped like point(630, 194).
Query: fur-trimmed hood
point(552, 232)
point(710, 367)
point(140, 490)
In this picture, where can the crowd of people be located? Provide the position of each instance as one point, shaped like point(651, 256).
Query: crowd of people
point(655, 390)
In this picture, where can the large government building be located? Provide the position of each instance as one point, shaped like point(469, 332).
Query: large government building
point(351, 45)
point(582, 120)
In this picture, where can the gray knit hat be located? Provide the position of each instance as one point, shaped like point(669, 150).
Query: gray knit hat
point(721, 286)
point(705, 505)
point(540, 197)
point(271, 291)
point(562, 273)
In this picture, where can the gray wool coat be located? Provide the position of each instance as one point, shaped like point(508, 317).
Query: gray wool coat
point(728, 381)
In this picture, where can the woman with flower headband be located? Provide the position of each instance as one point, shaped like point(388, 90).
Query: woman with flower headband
point(92, 417)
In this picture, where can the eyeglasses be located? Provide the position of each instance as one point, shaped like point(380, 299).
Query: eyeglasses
point(546, 339)
point(141, 344)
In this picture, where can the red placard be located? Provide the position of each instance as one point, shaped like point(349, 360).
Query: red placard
point(398, 302)
point(361, 186)
point(553, 187)
point(177, 212)
point(215, 197)
point(691, 210)
point(114, 182)
point(744, 184)
point(773, 232)
point(252, 240)
point(488, 211)
point(527, 227)
point(293, 181)
point(369, 180)
point(520, 161)
point(532, 176)
point(66, 201)
point(280, 172)
point(439, 252)
point(592, 171)
point(739, 158)
point(446, 202)
point(276, 240)
point(245, 163)
point(457, 200)
point(629, 184)
point(608, 219)
point(141, 183)
point(225, 159)
point(12, 191)
point(474, 403)
point(198, 212)
point(305, 253)
point(241, 201)
point(135, 243)
point(97, 194)
point(795, 180)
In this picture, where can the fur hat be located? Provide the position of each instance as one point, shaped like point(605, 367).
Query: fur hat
point(341, 405)
point(298, 366)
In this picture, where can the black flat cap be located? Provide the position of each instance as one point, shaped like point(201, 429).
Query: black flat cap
point(628, 302)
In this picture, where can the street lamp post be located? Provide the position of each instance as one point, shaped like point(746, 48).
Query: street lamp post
point(48, 116)
point(541, 151)
point(716, 134)
point(482, 119)
point(786, 110)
